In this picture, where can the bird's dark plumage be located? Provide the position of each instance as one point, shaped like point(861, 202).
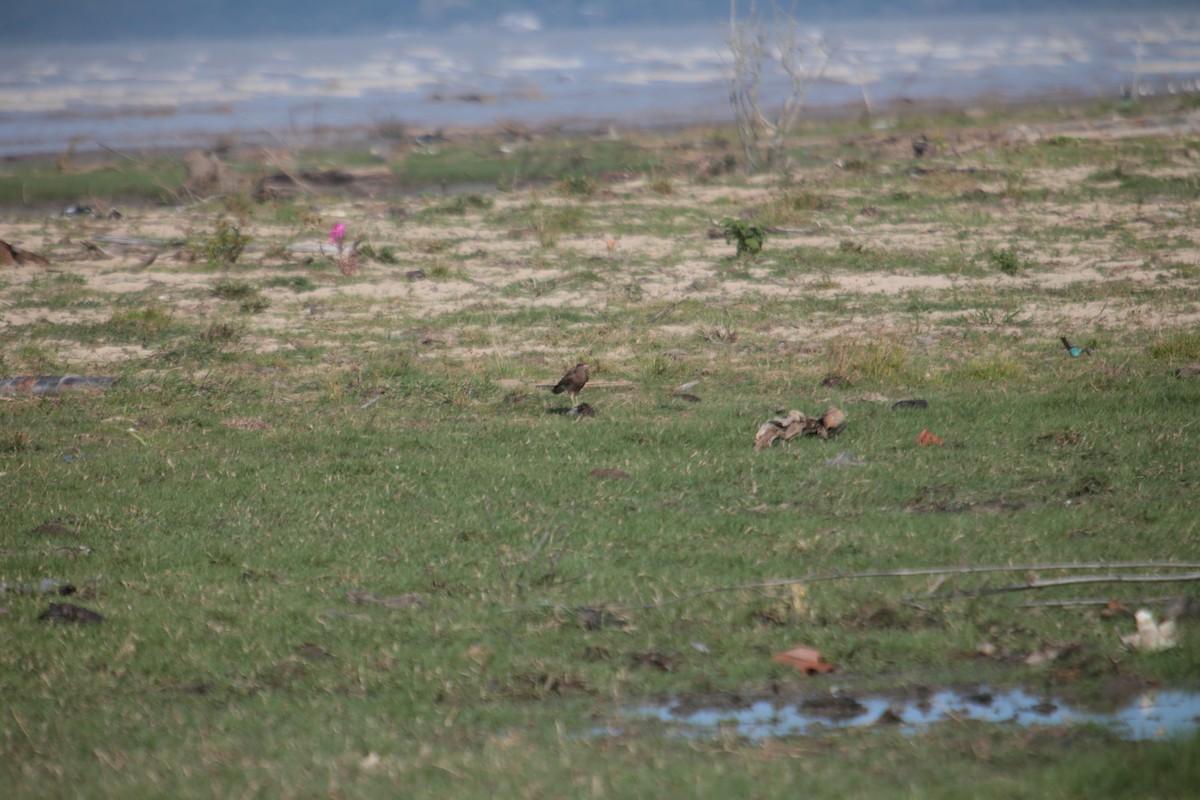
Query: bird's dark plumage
point(573, 382)
point(1074, 350)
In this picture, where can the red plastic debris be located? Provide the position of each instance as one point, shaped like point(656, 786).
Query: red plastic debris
point(927, 439)
point(805, 659)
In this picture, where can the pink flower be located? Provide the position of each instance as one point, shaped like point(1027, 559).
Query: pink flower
point(337, 234)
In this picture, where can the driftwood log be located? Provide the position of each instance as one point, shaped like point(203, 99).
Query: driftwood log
point(798, 423)
point(11, 254)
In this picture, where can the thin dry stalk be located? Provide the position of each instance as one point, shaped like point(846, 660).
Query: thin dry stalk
point(967, 570)
point(1074, 581)
point(801, 57)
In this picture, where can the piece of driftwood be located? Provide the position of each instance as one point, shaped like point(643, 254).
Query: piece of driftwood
point(138, 241)
point(1151, 634)
point(593, 384)
point(11, 254)
point(52, 384)
point(361, 181)
point(797, 423)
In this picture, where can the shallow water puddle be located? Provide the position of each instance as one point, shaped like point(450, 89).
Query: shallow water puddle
point(1152, 714)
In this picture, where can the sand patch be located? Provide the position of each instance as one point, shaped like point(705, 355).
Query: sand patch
point(646, 275)
point(19, 317)
point(87, 355)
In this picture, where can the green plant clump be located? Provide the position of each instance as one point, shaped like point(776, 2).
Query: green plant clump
point(577, 186)
point(254, 305)
point(224, 245)
point(233, 290)
point(385, 254)
point(749, 237)
point(140, 323)
point(1007, 261)
point(297, 283)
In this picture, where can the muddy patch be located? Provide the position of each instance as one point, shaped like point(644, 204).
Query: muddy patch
point(1146, 714)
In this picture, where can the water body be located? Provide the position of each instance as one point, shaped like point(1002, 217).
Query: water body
point(295, 90)
point(1151, 715)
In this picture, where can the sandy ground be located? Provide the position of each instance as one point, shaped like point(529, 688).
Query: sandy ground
point(473, 267)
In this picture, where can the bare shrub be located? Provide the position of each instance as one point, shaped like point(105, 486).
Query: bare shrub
point(801, 57)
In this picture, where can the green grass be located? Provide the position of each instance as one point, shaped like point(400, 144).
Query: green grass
point(233, 290)
point(541, 162)
point(350, 526)
point(219, 553)
point(155, 181)
point(141, 323)
point(459, 205)
point(852, 257)
point(297, 283)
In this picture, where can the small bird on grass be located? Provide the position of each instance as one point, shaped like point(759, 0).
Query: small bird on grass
point(1074, 349)
point(573, 382)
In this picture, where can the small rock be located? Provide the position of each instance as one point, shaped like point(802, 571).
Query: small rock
point(889, 717)
point(1188, 370)
point(593, 619)
point(610, 473)
point(313, 652)
point(582, 410)
point(66, 612)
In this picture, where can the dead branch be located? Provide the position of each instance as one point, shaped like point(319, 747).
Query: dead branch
point(595, 385)
point(1074, 581)
point(804, 59)
point(801, 57)
point(747, 46)
point(1077, 602)
point(926, 571)
point(135, 241)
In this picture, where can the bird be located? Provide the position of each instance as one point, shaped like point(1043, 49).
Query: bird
point(1074, 349)
point(573, 382)
point(920, 145)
